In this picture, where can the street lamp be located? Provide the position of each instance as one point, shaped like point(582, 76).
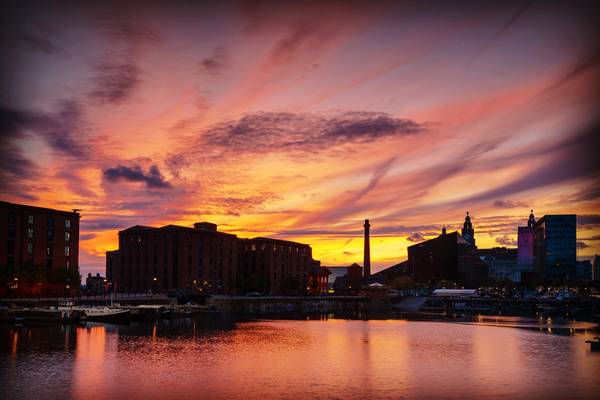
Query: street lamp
point(154, 280)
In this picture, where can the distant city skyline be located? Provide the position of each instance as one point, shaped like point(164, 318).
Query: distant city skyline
point(299, 122)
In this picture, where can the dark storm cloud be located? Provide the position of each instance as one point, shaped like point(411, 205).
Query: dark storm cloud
point(282, 132)
point(215, 64)
point(152, 179)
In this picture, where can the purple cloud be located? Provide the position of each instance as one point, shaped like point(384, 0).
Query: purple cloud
point(509, 204)
point(117, 72)
point(582, 245)
point(215, 64)
point(152, 179)
point(115, 81)
point(288, 132)
point(415, 237)
point(506, 241)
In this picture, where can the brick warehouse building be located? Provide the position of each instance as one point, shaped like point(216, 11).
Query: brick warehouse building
point(174, 257)
point(36, 239)
point(274, 266)
point(203, 259)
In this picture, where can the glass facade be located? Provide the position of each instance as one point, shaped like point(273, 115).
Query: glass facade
point(559, 245)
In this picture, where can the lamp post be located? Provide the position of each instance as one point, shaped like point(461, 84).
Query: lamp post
point(154, 280)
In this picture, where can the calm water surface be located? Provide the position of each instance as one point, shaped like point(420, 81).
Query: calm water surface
point(333, 359)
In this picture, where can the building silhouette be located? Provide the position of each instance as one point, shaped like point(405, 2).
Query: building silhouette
point(351, 282)
point(447, 257)
point(274, 266)
point(174, 257)
point(468, 233)
point(318, 279)
point(526, 243)
point(204, 260)
point(555, 249)
point(502, 263)
point(38, 241)
point(583, 270)
point(95, 284)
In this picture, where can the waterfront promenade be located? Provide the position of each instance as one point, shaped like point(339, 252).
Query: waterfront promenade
point(585, 309)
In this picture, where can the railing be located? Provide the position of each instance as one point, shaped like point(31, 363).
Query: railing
point(115, 297)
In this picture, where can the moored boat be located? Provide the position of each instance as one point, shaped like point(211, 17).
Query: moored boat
point(150, 312)
point(106, 314)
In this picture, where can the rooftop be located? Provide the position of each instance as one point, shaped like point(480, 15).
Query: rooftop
point(7, 204)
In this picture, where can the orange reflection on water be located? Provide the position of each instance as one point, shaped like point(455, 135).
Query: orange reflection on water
point(94, 361)
point(318, 359)
point(14, 343)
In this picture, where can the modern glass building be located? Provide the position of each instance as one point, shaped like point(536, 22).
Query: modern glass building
point(556, 246)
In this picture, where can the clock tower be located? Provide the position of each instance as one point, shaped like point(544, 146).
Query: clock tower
point(467, 231)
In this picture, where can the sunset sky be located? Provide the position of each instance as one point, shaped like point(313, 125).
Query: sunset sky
point(300, 121)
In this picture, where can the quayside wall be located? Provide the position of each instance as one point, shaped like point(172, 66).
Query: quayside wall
point(284, 304)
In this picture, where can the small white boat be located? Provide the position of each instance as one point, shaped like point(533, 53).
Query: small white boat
point(105, 314)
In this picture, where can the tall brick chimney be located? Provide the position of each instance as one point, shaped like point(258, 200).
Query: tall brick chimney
point(367, 252)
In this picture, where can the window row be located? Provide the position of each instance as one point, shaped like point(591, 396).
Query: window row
point(280, 248)
point(29, 249)
point(31, 233)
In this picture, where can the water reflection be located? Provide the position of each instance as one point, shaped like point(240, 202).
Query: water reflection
point(15, 342)
point(330, 358)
